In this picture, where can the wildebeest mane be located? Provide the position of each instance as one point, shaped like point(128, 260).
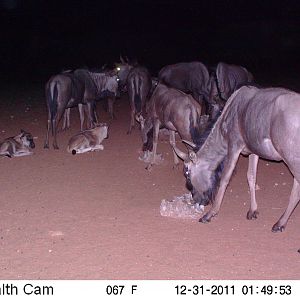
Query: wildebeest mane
point(195, 130)
point(250, 84)
point(215, 77)
point(209, 195)
point(199, 136)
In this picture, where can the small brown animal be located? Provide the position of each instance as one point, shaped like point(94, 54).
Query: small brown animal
point(19, 145)
point(88, 140)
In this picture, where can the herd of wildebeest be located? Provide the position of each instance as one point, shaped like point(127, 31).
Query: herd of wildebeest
point(218, 113)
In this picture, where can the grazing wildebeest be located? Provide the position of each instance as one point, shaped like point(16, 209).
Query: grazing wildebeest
point(19, 145)
point(189, 77)
point(138, 85)
point(178, 112)
point(88, 140)
point(72, 89)
point(256, 122)
point(224, 81)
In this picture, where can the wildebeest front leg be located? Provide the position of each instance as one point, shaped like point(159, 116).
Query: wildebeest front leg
point(91, 114)
point(66, 121)
point(81, 115)
point(110, 103)
point(225, 178)
point(173, 144)
point(251, 176)
point(155, 140)
point(293, 201)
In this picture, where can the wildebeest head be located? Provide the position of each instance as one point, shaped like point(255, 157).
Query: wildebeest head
point(27, 139)
point(122, 70)
point(201, 179)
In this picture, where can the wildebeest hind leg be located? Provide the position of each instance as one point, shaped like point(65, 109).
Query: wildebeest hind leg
point(225, 178)
point(55, 123)
point(46, 144)
point(132, 121)
point(155, 140)
point(293, 201)
point(251, 176)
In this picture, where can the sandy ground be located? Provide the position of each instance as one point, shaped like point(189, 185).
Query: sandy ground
point(96, 215)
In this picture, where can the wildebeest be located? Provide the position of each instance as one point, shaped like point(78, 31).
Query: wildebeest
point(256, 122)
point(71, 89)
point(138, 83)
point(189, 77)
point(88, 140)
point(224, 81)
point(19, 145)
point(178, 112)
point(83, 110)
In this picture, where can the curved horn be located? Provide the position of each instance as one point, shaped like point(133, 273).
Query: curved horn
point(180, 153)
point(191, 144)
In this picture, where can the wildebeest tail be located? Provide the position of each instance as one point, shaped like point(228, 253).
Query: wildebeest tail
point(137, 103)
point(52, 94)
point(137, 87)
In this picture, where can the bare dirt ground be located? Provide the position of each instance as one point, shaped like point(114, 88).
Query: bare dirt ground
point(96, 215)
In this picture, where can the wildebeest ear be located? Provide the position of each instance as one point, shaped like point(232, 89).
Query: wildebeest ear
point(193, 156)
point(23, 132)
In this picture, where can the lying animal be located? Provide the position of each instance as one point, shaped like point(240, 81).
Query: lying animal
point(19, 145)
point(88, 140)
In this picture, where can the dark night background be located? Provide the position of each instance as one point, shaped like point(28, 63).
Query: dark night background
point(40, 38)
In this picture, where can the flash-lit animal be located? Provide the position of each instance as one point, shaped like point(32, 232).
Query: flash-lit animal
point(223, 82)
point(72, 89)
point(138, 85)
point(88, 140)
point(256, 122)
point(19, 145)
point(176, 111)
point(189, 77)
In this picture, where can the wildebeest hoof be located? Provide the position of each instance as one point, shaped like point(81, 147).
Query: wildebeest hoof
point(278, 228)
point(205, 219)
point(149, 167)
point(252, 215)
